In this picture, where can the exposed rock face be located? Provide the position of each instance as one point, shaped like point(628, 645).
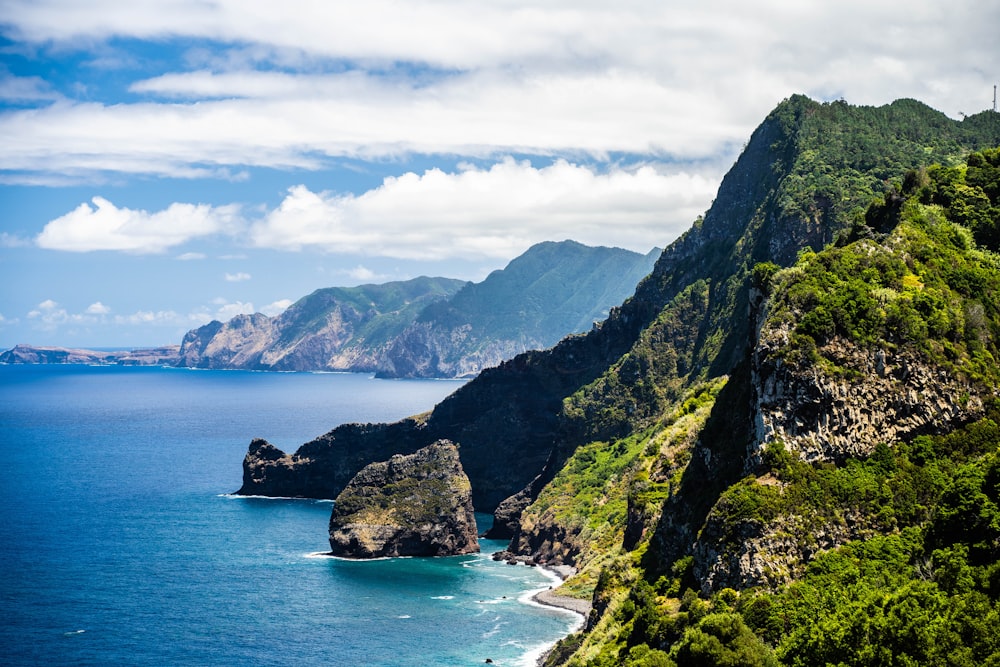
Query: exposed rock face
point(430, 327)
point(885, 396)
point(334, 329)
point(152, 356)
point(411, 505)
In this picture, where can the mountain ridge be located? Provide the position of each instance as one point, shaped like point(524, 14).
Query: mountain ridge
point(429, 327)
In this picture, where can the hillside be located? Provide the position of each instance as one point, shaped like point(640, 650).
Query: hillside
point(336, 328)
point(551, 291)
point(844, 477)
point(429, 327)
point(785, 356)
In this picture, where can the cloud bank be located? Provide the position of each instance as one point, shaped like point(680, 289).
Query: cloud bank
point(496, 212)
point(294, 84)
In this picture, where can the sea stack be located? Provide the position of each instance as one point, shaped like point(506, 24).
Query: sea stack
point(411, 505)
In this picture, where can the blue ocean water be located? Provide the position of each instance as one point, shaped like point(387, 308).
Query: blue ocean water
point(120, 546)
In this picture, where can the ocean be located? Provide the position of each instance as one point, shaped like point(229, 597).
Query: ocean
point(120, 543)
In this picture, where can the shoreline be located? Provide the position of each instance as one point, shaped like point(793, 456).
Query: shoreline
point(547, 597)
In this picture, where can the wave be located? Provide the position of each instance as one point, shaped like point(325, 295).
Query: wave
point(240, 496)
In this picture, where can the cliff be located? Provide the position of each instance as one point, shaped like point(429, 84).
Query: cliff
point(332, 329)
point(797, 185)
point(804, 388)
point(415, 505)
point(549, 292)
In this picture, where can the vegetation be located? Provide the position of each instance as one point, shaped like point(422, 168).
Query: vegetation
point(915, 579)
point(923, 283)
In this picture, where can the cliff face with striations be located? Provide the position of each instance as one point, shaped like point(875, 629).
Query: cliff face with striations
point(414, 505)
point(890, 395)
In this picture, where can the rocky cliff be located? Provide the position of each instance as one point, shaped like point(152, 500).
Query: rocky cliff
point(414, 505)
point(332, 329)
point(430, 327)
point(732, 422)
point(686, 322)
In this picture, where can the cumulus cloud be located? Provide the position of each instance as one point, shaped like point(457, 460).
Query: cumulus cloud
point(107, 227)
point(154, 317)
point(277, 307)
point(361, 274)
point(97, 308)
point(12, 241)
point(491, 212)
point(25, 88)
point(227, 311)
point(237, 277)
point(49, 316)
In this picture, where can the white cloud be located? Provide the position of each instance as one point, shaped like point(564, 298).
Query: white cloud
point(107, 227)
point(97, 308)
point(361, 273)
point(276, 308)
point(190, 256)
point(227, 311)
point(237, 277)
point(497, 212)
point(49, 316)
point(147, 317)
point(24, 89)
point(443, 76)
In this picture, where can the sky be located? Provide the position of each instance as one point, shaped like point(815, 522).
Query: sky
point(164, 163)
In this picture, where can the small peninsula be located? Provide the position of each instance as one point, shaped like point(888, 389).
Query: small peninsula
point(411, 505)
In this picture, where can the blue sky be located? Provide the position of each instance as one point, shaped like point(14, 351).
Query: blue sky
point(169, 162)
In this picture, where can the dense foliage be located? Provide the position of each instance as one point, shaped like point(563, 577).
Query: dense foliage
point(923, 281)
point(917, 578)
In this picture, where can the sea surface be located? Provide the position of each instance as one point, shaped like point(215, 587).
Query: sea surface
point(120, 543)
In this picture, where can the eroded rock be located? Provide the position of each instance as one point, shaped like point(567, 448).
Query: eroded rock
point(411, 505)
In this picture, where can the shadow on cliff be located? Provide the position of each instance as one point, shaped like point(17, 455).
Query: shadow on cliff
point(716, 464)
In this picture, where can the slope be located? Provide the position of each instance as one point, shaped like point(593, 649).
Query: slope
point(336, 328)
point(835, 500)
point(551, 291)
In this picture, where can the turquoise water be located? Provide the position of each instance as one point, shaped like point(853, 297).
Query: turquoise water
point(119, 544)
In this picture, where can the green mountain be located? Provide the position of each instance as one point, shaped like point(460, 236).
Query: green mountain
point(782, 449)
point(552, 290)
point(429, 327)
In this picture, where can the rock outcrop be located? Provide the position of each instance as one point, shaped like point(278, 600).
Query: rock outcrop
point(430, 327)
point(881, 396)
point(411, 505)
point(550, 291)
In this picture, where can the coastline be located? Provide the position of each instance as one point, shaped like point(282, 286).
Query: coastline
point(547, 597)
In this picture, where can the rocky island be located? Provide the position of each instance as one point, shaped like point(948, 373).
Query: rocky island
point(411, 505)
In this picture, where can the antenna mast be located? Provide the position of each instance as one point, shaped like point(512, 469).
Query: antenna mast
point(994, 97)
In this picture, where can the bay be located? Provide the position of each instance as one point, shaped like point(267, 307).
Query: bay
point(120, 543)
